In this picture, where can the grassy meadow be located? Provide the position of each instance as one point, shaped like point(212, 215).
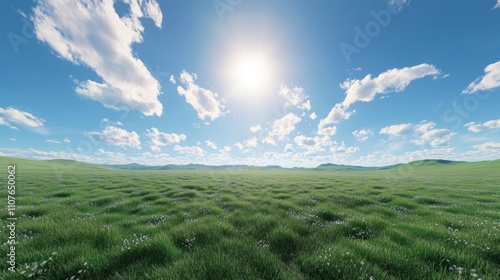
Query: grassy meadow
point(423, 220)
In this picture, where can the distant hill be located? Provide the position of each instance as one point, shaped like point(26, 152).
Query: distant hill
point(53, 164)
point(427, 165)
point(135, 166)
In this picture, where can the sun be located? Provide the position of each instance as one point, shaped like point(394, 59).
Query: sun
point(251, 72)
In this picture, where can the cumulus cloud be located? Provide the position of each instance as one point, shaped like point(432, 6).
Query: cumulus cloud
point(250, 143)
point(118, 137)
point(295, 97)
point(255, 128)
point(190, 151)
point(423, 133)
point(15, 116)
point(362, 135)
point(488, 146)
point(282, 128)
point(394, 80)
point(490, 80)
point(337, 114)
point(477, 127)
point(172, 79)
point(203, 100)
point(211, 144)
point(313, 116)
point(91, 33)
point(342, 148)
point(428, 134)
point(160, 139)
point(312, 145)
point(67, 140)
point(289, 148)
point(397, 129)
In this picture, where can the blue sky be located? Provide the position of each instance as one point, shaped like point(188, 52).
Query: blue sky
point(278, 82)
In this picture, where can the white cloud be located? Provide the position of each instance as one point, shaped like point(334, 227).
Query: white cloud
point(397, 129)
point(423, 133)
point(362, 135)
point(255, 128)
point(342, 148)
point(295, 97)
point(312, 145)
point(433, 136)
point(203, 101)
point(327, 131)
point(211, 144)
point(497, 5)
point(289, 148)
point(52, 141)
point(399, 4)
point(11, 115)
point(4, 122)
point(225, 150)
point(489, 146)
point(282, 128)
point(313, 116)
point(250, 143)
point(490, 80)
point(172, 79)
point(109, 122)
point(337, 114)
point(91, 33)
point(110, 155)
point(476, 127)
point(190, 151)
point(13, 139)
point(67, 140)
point(118, 137)
point(394, 80)
point(160, 139)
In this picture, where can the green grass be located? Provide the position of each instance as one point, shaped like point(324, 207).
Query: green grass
point(425, 220)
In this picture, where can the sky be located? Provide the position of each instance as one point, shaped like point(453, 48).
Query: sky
point(283, 82)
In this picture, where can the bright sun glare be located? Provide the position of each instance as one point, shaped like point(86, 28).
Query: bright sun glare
point(251, 74)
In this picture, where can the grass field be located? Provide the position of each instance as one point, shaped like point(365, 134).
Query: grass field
point(416, 221)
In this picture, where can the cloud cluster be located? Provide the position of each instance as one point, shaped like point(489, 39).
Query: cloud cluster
point(190, 151)
point(160, 139)
point(247, 144)
point(295, 97)
point(117, 137)
point(422, 134)
point(366, 89)
point(91, 33)
point(203, 100)
point(362, 135)
point(281, 128)
point(312, 145)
